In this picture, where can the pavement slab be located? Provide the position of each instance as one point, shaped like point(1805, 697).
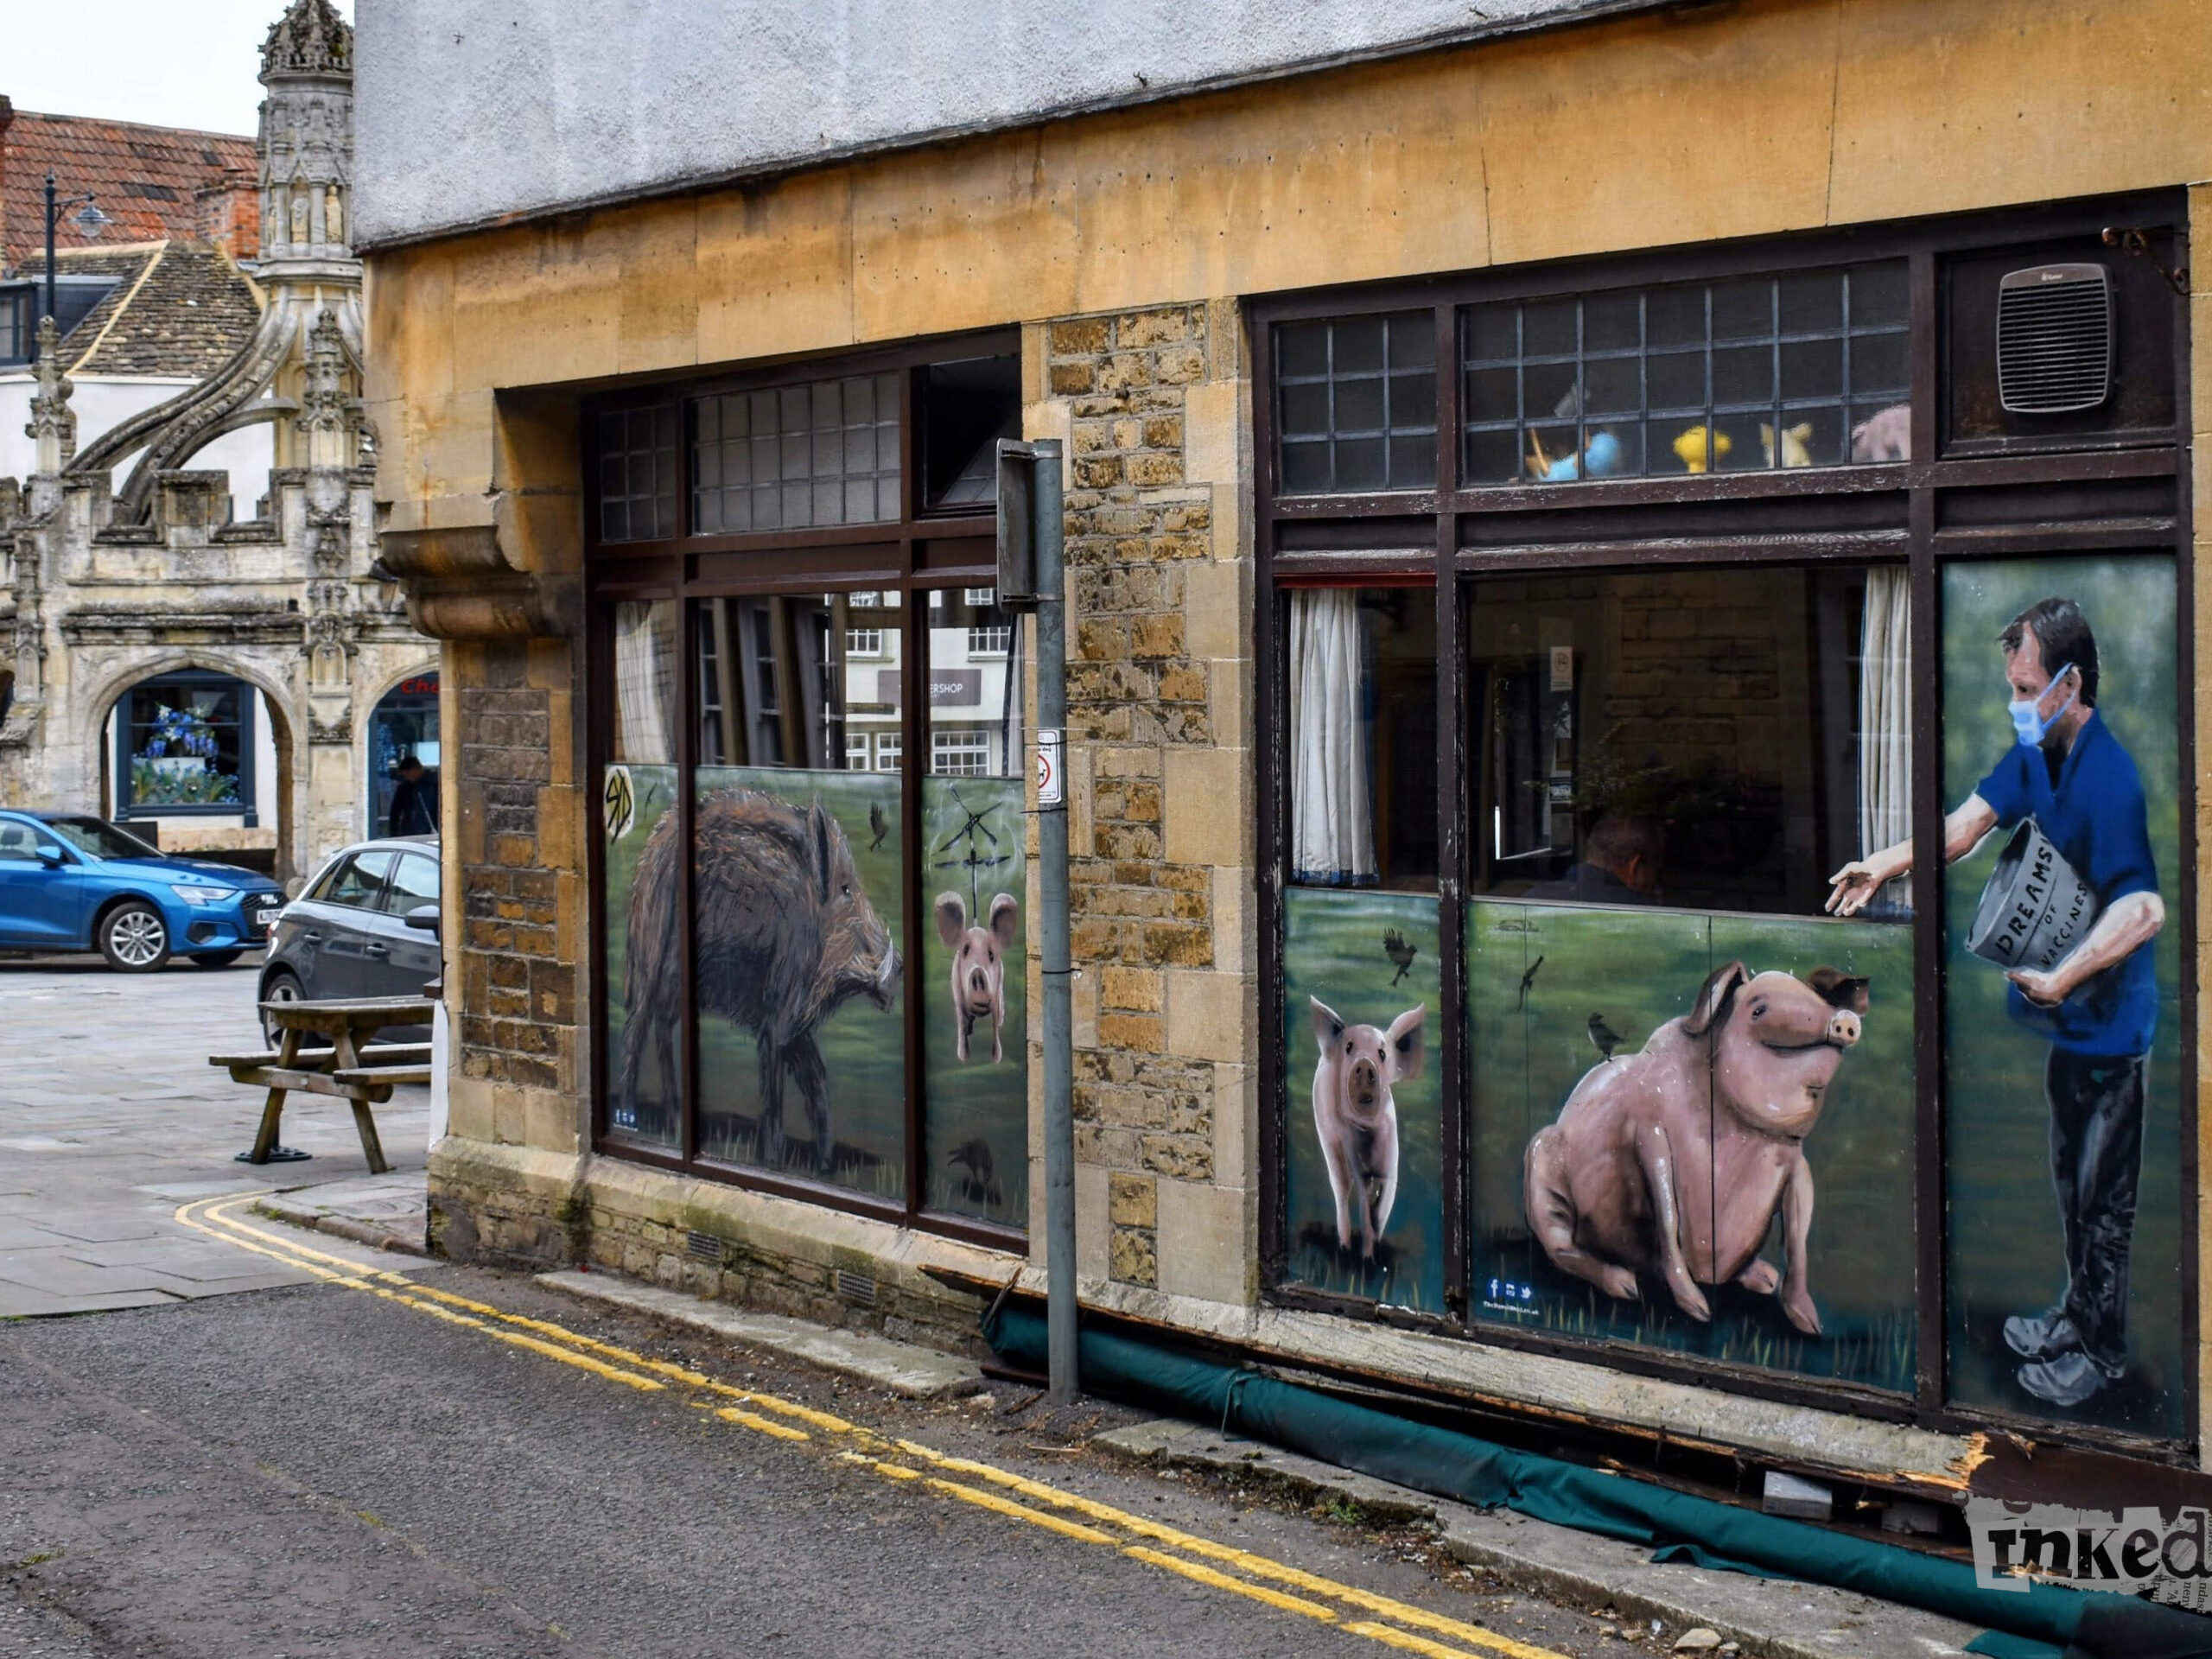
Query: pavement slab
point(1773, 1619)
point(111, 1120)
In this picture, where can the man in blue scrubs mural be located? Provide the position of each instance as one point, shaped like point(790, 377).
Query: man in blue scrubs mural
point(2098, 1006)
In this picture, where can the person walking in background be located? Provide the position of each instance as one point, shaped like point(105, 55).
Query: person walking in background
point(414, 802)
point(2098, 1006)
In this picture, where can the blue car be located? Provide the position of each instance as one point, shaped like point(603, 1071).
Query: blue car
point(69, 881)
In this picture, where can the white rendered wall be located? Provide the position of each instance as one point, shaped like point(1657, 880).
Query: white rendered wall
point(101, 402)
point(466, 109)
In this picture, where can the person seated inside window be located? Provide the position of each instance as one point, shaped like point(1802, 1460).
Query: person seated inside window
point(1619, 865)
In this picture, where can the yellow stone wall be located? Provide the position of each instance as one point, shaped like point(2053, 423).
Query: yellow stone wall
point(1744, 118)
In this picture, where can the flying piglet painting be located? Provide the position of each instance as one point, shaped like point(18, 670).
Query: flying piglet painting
point(1361, 1100)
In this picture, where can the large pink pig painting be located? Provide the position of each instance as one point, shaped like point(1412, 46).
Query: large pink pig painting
point(1676, 1159)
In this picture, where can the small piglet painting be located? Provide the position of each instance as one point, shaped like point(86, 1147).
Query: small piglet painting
point(978, 965)
point(1356, 1117)
point(1676, 1158)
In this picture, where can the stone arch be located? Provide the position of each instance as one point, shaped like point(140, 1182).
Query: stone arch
point(368, 700)
point(287, 731)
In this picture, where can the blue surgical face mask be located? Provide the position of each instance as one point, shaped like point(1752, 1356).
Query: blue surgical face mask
point(2031, 725)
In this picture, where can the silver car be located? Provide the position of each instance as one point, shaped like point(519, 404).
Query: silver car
point(366, 925)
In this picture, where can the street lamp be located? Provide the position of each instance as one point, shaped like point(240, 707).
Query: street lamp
point(90, 221)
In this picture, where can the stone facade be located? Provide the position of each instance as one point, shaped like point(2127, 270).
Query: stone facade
point(1162, 837)
point(103, 585)
point(1117, 243)
point(520, 967)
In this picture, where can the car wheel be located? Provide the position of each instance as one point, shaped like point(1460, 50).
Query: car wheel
point(134, 938)
point(283, 985)
point(217, 958)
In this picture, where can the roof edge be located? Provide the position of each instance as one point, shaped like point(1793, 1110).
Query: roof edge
point(1576, 13)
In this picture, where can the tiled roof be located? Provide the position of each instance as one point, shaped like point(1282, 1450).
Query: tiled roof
point(148, 179)
point(177, 308)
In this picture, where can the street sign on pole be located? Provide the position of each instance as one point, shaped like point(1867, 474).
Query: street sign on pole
point(1031, 578)
point(1017, 525)
point(1049, 791)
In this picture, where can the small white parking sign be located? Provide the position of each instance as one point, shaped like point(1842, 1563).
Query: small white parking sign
point(1050, 792)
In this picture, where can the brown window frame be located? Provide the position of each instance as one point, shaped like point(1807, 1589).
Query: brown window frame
point(914, 554)
point(1849, 513)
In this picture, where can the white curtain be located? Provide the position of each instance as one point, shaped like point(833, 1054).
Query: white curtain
point(1885, 721)
point(1333, 834)
point(645, 682)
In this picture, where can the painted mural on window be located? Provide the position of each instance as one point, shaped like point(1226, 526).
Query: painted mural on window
point(637, 797)
point(1361, 1011)
point(1361, 985)
point(799, 894)
point(1690, 1092)
point(2063, 1108)
point(975, 949)
point(1693, 1130)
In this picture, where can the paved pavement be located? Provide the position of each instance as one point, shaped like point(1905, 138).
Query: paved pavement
point(111, 1117)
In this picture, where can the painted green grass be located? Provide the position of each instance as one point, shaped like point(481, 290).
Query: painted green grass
point(2005, 1252)
point(973, 837)
point(1638, 969)
point(1333, 948)
point(863, 1047)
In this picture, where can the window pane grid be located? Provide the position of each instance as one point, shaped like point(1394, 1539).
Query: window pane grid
point(1356, 404)
point(1741, 375)
point(823, 453)
point(638, 450)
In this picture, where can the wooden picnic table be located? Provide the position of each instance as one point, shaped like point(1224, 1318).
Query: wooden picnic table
point(352, 1069)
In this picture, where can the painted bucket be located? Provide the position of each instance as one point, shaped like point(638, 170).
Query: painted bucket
point(2035, 908)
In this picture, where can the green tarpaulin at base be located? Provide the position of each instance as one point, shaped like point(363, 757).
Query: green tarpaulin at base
point(1460, 1466)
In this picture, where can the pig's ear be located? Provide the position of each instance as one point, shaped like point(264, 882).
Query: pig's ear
point(1839, 990)
point(1328, 1025)
point(1712, 997)
point(951, 919)
point(1005, 917)
point(821, 848)
point(1403, 1040)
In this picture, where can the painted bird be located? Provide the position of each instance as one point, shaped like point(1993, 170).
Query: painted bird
point(879, 824)
point(1528, 980)
point(981, 1184)
point(1606, 1039)
point(1395, 947)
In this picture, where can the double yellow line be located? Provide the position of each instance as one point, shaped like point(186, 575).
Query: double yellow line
point(998, 1491)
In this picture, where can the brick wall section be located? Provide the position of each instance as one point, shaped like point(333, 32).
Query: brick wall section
point(1135, 693)
point(519, 963)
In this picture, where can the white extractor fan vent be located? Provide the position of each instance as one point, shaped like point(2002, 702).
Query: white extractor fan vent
point(2053, 340)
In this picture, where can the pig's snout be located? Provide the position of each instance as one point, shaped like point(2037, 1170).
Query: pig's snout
point(1366, 1079)
point(1843, 1028)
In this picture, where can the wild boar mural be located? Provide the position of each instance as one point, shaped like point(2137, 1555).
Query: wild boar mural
point(1680, 1158)
point(645, 1096)
point(1364, 1215)
point(786, 935)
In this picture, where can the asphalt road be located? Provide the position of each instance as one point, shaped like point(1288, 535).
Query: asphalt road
point(303, 1466)
point(321, 1470)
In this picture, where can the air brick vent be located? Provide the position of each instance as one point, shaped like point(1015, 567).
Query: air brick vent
point(855, 1288)
point(703, 1247)
point(2054, 338)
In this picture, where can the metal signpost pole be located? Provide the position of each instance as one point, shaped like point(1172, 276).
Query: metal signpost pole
point(1053, 881)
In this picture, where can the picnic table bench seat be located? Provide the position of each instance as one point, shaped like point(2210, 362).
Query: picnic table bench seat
point(353, 1069)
